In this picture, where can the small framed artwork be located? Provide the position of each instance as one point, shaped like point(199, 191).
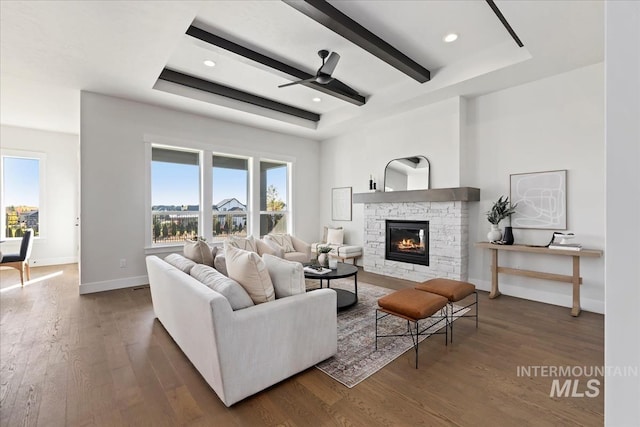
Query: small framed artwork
point(541, 199)
point(341, 204)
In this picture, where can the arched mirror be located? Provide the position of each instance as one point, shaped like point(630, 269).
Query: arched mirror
point(408, 173)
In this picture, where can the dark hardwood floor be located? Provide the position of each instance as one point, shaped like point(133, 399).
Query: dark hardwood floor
point(103, 359)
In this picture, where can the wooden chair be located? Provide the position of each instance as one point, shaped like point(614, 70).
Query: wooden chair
point(20, 261)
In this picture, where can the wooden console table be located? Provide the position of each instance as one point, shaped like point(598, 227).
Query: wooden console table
point(574, 279)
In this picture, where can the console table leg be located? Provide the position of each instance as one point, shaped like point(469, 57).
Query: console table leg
point(495, 292)
point(575, 310)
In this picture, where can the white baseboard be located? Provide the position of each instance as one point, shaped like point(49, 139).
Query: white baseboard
point(586, 304)
point(110, 285)
point(42, 262)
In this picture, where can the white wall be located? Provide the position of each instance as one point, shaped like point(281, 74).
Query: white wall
point(58, 243)
point(114, 179)
point(348, 160)
point(622, 320)
point(554, 123)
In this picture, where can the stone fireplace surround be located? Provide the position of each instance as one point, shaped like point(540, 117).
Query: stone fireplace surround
point(448, 216)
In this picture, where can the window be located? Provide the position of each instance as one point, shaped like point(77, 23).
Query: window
point(195, 192)
point(21, 194)
point(230, 190)
point(175, 194)
point(274, 208)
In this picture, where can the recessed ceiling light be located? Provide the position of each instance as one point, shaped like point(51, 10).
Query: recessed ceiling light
point(209, 63)
point(316, 99)
point(451, 37)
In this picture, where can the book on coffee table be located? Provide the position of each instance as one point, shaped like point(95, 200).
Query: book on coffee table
point(316, 269)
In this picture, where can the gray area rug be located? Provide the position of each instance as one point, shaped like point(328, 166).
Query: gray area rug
point(357, 358)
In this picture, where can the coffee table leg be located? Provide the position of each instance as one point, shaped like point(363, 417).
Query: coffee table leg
point(355, 281)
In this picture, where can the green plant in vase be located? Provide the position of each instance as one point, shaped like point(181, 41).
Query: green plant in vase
point(323, 255)
point(500, 210)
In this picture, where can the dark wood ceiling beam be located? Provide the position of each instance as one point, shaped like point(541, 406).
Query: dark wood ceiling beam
point(331, 88)
point(327, 15)
point(504, 21)
point(229, 92)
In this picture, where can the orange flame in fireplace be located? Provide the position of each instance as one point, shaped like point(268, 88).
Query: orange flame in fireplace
point(409, 244)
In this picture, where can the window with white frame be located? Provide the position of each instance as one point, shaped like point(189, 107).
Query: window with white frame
point(197, 192)
point(175, 195)
point(274, 200)
point(22, 193)
point(230, 186)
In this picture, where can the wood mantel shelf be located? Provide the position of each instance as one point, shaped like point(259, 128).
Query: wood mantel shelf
point(458, 194)
point(574, 279)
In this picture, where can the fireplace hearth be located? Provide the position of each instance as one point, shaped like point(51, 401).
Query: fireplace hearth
point(407, 241)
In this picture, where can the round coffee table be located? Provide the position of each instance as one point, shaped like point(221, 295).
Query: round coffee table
point(345, 298)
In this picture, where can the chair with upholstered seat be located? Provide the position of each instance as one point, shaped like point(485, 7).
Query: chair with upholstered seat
point(20, 261)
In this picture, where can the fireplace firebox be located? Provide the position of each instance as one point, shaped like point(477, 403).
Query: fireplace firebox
point(407, 241)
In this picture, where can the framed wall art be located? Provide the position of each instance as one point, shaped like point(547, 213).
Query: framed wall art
point(341, 204)
point(541, 199)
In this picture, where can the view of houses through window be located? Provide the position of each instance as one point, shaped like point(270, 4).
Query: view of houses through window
point(176, 189)
point(20, 195)
point(230, 194)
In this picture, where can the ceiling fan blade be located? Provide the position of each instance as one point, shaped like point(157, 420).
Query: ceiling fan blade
point(330, 64)
point(337, 84)
point(313, 79)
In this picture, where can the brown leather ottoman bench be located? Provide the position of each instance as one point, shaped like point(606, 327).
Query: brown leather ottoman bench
point(414, 305)
point(453, 291)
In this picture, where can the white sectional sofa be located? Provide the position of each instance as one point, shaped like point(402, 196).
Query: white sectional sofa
point(242, 352)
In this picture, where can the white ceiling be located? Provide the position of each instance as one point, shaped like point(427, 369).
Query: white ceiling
point(50, 50)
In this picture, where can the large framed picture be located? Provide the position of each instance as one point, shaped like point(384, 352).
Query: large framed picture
point(341, 204)
point(541, 199)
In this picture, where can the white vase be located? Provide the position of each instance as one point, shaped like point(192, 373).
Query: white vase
point(495, 234)
point(323, 259)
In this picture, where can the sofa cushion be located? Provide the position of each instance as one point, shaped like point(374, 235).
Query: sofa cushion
point(236, 295)
point(198, 251)
point(248, 269)
point(180, 262)
point(287, 276)
point(284, 241)
point(247, 244)
point(335, 236)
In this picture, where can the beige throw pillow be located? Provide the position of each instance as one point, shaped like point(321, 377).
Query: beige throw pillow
point(284, 241)
point(248, 269)
point(335, 236)
point(287, 276)
point(198, 251)
point(247, 244)
point(265, 248)
point(326, 231)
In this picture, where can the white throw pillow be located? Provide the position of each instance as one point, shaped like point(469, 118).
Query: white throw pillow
point(326, 230)
point(284, 241)
point(198, 251)
point(287, 276)
point(335, 236)
point(236, 295)
point(248, 269)
point(247, 244)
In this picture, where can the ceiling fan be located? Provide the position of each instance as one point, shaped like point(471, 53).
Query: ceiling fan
point(323, 75)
